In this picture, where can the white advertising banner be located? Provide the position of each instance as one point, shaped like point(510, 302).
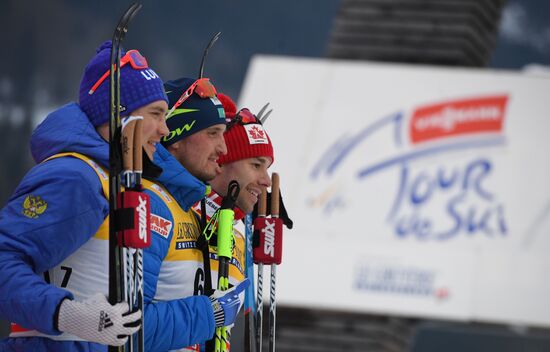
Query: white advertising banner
point(415, 190)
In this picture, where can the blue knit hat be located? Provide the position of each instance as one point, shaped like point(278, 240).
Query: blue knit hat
point(137, 87)
point(193, 115)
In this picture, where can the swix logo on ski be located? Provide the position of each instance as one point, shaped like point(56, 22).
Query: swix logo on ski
point(256, 134)
point(142, 213)
point(269, 238)
point(458, 117)
point(161, 225)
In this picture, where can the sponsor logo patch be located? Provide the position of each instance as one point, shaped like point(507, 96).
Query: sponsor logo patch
point(186, 245)
point(178, 131)
point(180, 111)
point(458, 117)
point(162, 193)
point(161, 226)
point(98, 169)
point(149, 74)
point(216, 101)
point(256, 134)
point(186, 231)
point(34, 206)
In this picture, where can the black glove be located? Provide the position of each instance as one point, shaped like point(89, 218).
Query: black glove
point(283, 215)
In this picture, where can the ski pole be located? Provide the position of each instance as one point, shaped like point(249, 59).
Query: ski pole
point(249, 308)
point(225, 253)
point(132, 252)
point(268, 250)
point(272, 301)
point(138, 262)
point(127, 180)
point(262, 207)
point(121, 266)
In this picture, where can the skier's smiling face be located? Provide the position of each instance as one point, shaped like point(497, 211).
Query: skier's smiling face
point(199, 152)
point(154, 125)
point(252, 176)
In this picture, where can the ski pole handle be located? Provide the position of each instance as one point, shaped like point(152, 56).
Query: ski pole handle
point(138, 153)
point(127, 146)
point(225, 233)
point(131, 145)
point(225, 226)
point(233, 190)
point(275, 189)
point(262, 210)
point(275, 183)
point(262, 204)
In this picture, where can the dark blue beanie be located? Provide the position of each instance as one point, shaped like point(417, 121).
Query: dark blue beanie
point(193, 115)
point(137, 87)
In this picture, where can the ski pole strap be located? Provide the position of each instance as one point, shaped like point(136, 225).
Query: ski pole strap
point(249, 303)
point(132, 219)
point(233, 190)
point(211, 226)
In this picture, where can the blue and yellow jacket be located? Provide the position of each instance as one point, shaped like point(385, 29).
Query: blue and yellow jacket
point(179, 314)
point(56, 209)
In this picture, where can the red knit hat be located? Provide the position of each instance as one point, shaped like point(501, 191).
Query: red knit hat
point(243, 141)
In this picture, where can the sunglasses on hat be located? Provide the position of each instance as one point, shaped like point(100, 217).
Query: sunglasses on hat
point(243, 117)
point(202, 86)
point(136, 60)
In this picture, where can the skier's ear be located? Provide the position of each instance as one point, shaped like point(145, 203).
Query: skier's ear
point(173, 146)
point(103, 131)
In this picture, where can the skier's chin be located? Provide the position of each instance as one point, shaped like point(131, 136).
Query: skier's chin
point(149, 150)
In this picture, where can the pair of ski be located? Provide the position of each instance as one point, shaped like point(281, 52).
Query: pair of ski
point(129, 228)
point(263, 247)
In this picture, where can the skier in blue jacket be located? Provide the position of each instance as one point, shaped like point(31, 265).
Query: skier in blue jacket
point(53, 242)
point(178, 311)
